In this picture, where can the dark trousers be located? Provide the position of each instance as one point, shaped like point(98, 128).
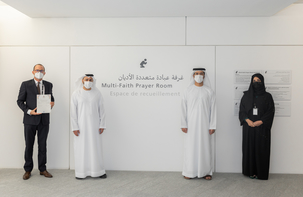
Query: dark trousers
point(29, 134)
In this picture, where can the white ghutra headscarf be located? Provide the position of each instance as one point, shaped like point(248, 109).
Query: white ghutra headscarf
point(206, 81)
point(79, 84)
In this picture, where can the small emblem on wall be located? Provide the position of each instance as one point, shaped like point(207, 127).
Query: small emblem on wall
point(143, 63)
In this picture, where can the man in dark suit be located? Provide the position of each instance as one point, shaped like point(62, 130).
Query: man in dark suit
point(33, 121)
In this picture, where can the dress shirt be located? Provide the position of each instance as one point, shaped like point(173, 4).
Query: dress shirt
point(41, 84)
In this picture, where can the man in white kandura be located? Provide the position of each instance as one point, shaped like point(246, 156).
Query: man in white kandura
point(88, 123)
point(198, 122)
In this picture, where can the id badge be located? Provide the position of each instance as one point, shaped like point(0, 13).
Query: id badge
point(255, 111)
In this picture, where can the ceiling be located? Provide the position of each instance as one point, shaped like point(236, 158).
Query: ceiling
point(148, 8)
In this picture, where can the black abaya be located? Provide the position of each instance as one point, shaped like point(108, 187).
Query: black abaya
point(256, 140)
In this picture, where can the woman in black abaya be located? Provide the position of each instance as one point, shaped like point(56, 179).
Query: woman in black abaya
point(256, 116)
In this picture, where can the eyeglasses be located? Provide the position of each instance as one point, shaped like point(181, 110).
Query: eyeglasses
point(39, 71)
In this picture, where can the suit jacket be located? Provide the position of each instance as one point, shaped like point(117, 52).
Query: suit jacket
point(27, 99)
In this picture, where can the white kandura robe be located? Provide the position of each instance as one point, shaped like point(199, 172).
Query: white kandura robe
point(87, 116)
point(198, 116)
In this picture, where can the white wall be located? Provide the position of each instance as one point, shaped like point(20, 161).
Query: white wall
point(108, 31)
point(284, 28)
point(20, 37)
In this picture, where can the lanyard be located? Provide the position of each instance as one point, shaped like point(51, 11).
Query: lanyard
point(43, 89)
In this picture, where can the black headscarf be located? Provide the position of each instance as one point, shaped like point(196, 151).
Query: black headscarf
point(253, 91)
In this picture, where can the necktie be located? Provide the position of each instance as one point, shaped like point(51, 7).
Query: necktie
point(38, 88)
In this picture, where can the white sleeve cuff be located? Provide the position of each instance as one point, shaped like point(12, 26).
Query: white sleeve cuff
point(29, 112)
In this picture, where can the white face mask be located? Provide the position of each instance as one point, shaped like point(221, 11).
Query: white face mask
point(39, 75)
point(199, 78)
point(88, 84)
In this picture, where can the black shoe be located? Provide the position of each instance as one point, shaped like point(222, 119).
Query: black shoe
point(79, 178)
point(104, 176)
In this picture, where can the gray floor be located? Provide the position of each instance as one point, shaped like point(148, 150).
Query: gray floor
point(141, 184)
